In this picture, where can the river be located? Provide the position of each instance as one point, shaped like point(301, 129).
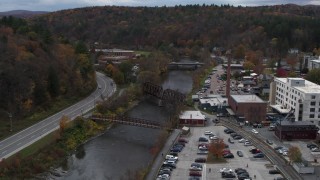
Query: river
point(123, 149)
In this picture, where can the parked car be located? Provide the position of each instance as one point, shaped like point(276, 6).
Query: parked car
point(228, 175)
point(164, 177)
point(200, 160)
point(237, 137)
point(203, 139)
point(161, 172)
point(196, 165)
point(213, 137)
point(195, 173)
point(255, 150)
point(254, 131)
point(310, 146)
point(173, 166)
point(247, 144)
point(228, 131)
point(278, 147)
point(230, 141)
point(274, 171)
point(203, 148)
point(269, 141)
point(182, 140)
point(242, 140)
point(240, 154)
point(208, 133)
point(171, 157)
point(259, 155)
point(174, 154)
point(194, 168)
point(229, 155)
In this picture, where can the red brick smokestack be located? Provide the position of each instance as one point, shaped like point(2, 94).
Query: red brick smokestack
point(228, 53)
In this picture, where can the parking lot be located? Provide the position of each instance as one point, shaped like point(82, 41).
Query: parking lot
point(256, 166)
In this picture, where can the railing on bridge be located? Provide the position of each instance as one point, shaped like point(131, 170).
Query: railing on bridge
point(167, 95)
point(129, 121)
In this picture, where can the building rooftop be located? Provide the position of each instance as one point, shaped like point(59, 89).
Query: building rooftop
point(280, 109)
point(247, 99)
point(296, 123)
point(309, 87)
point(214, 101)
point(192, 115)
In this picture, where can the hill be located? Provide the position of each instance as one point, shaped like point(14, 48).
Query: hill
point(192, 27)
point(22, 13)
point(36, 68)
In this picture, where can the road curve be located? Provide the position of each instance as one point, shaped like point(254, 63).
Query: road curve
point(13, 144)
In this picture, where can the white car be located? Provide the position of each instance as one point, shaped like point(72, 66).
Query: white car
point(247, 144)
point(225, 170)
point(208, 133)
point(171, 157)
point(254, 131)
point(242, 140)
point(213, 137)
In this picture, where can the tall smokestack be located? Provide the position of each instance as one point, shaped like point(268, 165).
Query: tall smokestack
point(228, 53)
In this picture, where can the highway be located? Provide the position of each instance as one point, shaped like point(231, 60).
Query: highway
point(13, 144)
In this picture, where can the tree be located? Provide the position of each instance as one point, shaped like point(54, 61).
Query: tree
point(248, 65)
point(63, 123)
point(216, 148)
point(313, 76)
point(53, 82)
point(294, 154)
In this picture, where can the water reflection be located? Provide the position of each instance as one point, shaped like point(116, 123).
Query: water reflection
point(124, 149)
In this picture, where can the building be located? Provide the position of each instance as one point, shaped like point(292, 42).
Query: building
point(248, 108)
point(314, 64)
point(116, 56)
point(299, 94)
point(306, 60)
point(214, 103)
point(192, 118)
point(289, 130)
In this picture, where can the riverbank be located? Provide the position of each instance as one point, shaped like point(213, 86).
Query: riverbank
point(157, 163)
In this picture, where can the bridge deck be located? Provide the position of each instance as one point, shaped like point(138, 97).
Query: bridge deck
point(130, 121)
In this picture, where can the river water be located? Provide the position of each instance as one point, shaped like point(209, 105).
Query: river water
point(123, 149)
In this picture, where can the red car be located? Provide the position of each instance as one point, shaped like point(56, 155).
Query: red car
point(182, 140)
point(195, 173)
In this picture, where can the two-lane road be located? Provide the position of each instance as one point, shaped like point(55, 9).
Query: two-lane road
point(13, 144)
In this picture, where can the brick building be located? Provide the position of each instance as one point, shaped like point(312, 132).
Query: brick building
point(192, 118)
point(248, 108)
point(289, 130)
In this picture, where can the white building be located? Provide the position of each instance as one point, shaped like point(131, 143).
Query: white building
point(299, 94)
point(314, 64)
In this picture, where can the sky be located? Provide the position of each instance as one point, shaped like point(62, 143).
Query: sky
point(55, 5)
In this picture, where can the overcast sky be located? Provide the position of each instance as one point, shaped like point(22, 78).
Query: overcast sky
point(54, 5)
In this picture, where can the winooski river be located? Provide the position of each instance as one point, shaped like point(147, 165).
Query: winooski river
point(123, 149)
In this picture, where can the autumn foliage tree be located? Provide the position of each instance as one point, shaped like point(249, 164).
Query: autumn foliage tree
point(294, 154)
point(216, 149)
point(63, 123)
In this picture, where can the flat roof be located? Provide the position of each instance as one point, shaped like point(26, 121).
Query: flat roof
point(214, 101)
point(247, 98)
point(192, 115)
point(280, 109)
point(296, 123)
point(309, 86)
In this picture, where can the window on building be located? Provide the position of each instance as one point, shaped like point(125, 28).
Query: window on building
point(312, 109)
point(312, 103)
point(313, 97)
point(311, 116)
point(319, 116)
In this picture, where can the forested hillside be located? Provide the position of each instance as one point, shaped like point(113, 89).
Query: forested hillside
point(270, 29)
point(36, 69)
